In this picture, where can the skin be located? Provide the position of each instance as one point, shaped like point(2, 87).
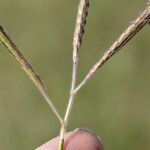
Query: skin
point(79, 139)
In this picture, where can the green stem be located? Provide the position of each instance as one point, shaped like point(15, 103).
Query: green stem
point(61, 145)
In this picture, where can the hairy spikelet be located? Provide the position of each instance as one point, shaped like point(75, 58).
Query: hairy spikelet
point(80, 23)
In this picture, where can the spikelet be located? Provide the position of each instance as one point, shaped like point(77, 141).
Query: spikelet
point(80, 23)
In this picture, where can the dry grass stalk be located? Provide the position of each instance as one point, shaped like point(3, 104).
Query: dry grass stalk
point(125, 37)
point(7, 42)
point(77, 41)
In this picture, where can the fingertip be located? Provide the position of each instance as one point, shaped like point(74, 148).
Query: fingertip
point(83, 139)
point(79, 139)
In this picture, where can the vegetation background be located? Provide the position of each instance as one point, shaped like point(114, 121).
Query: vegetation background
point(115, 104)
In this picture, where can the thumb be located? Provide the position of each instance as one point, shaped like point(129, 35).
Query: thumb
point(79, 139)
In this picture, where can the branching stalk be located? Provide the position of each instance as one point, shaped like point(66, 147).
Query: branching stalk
point(125, 37)
point(9, 44)
point(77, 42)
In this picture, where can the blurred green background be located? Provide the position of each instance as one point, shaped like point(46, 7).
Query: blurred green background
point(115, 104)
